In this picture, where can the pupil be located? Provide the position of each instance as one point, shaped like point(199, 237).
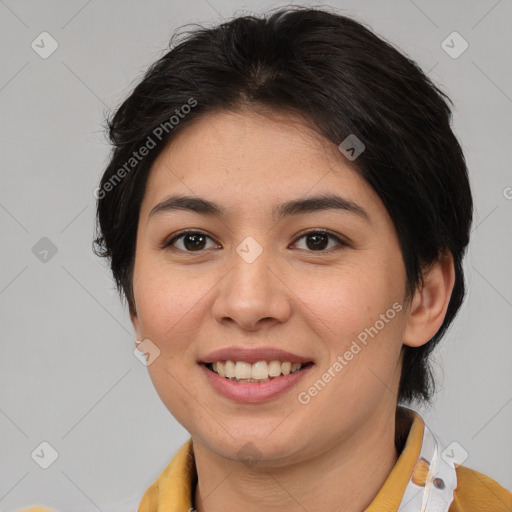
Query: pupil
point(194, 245)
point(318, 237)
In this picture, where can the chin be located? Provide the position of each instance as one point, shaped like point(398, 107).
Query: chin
point(258, 448)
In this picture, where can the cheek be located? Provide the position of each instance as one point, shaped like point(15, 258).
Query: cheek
point(359, 317)
point(168, 306)
point(345, 302)
point(169, 310)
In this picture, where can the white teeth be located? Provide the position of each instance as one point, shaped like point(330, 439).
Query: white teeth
point(229, 368)
point(243, 370)
point(274, 369)
point(221, 369)
point(261, 371)
point(295, 367)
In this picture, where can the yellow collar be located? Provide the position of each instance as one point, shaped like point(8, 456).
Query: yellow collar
point(174, 488)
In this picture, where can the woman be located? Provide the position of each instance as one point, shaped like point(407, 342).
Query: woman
point(286, 211)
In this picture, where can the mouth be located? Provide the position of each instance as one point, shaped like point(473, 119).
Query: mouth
point(259, 372)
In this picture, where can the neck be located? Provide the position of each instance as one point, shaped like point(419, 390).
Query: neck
point(357, 468)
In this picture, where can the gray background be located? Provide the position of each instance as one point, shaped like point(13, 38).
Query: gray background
point(68, 373)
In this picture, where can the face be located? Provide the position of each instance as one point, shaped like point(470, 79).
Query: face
point(251, 282)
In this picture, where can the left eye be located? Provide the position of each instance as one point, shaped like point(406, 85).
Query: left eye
point(195, 241)
point(319, 239)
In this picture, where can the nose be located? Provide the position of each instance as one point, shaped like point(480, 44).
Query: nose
point(252, 294)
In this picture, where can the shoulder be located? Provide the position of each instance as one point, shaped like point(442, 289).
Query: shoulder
point(36, 508)
point(477, 492)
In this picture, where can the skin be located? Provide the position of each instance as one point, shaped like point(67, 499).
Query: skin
point(310, 302)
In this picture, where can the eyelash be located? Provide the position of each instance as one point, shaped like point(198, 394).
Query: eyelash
point(169, 244)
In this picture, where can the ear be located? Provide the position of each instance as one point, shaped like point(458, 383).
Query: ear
point(427, 309)
point(136, 327)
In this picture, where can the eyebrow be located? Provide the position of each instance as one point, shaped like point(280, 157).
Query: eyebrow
point(279, 211)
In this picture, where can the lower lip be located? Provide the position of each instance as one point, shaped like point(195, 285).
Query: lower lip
point(254, 391)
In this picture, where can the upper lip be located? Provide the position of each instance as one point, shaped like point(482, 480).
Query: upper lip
point(253, 355)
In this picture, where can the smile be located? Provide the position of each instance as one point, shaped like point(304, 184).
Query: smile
point(261, 371)
point(236, 384)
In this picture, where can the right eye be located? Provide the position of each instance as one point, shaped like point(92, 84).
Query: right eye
point(192, 241)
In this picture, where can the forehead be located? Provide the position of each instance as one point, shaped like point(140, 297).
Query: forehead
point(251, 158)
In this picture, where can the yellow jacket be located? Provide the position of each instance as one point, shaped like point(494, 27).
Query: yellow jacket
point(173, 490)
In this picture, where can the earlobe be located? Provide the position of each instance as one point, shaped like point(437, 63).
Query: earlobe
point(428, 307)
point(136, 326)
